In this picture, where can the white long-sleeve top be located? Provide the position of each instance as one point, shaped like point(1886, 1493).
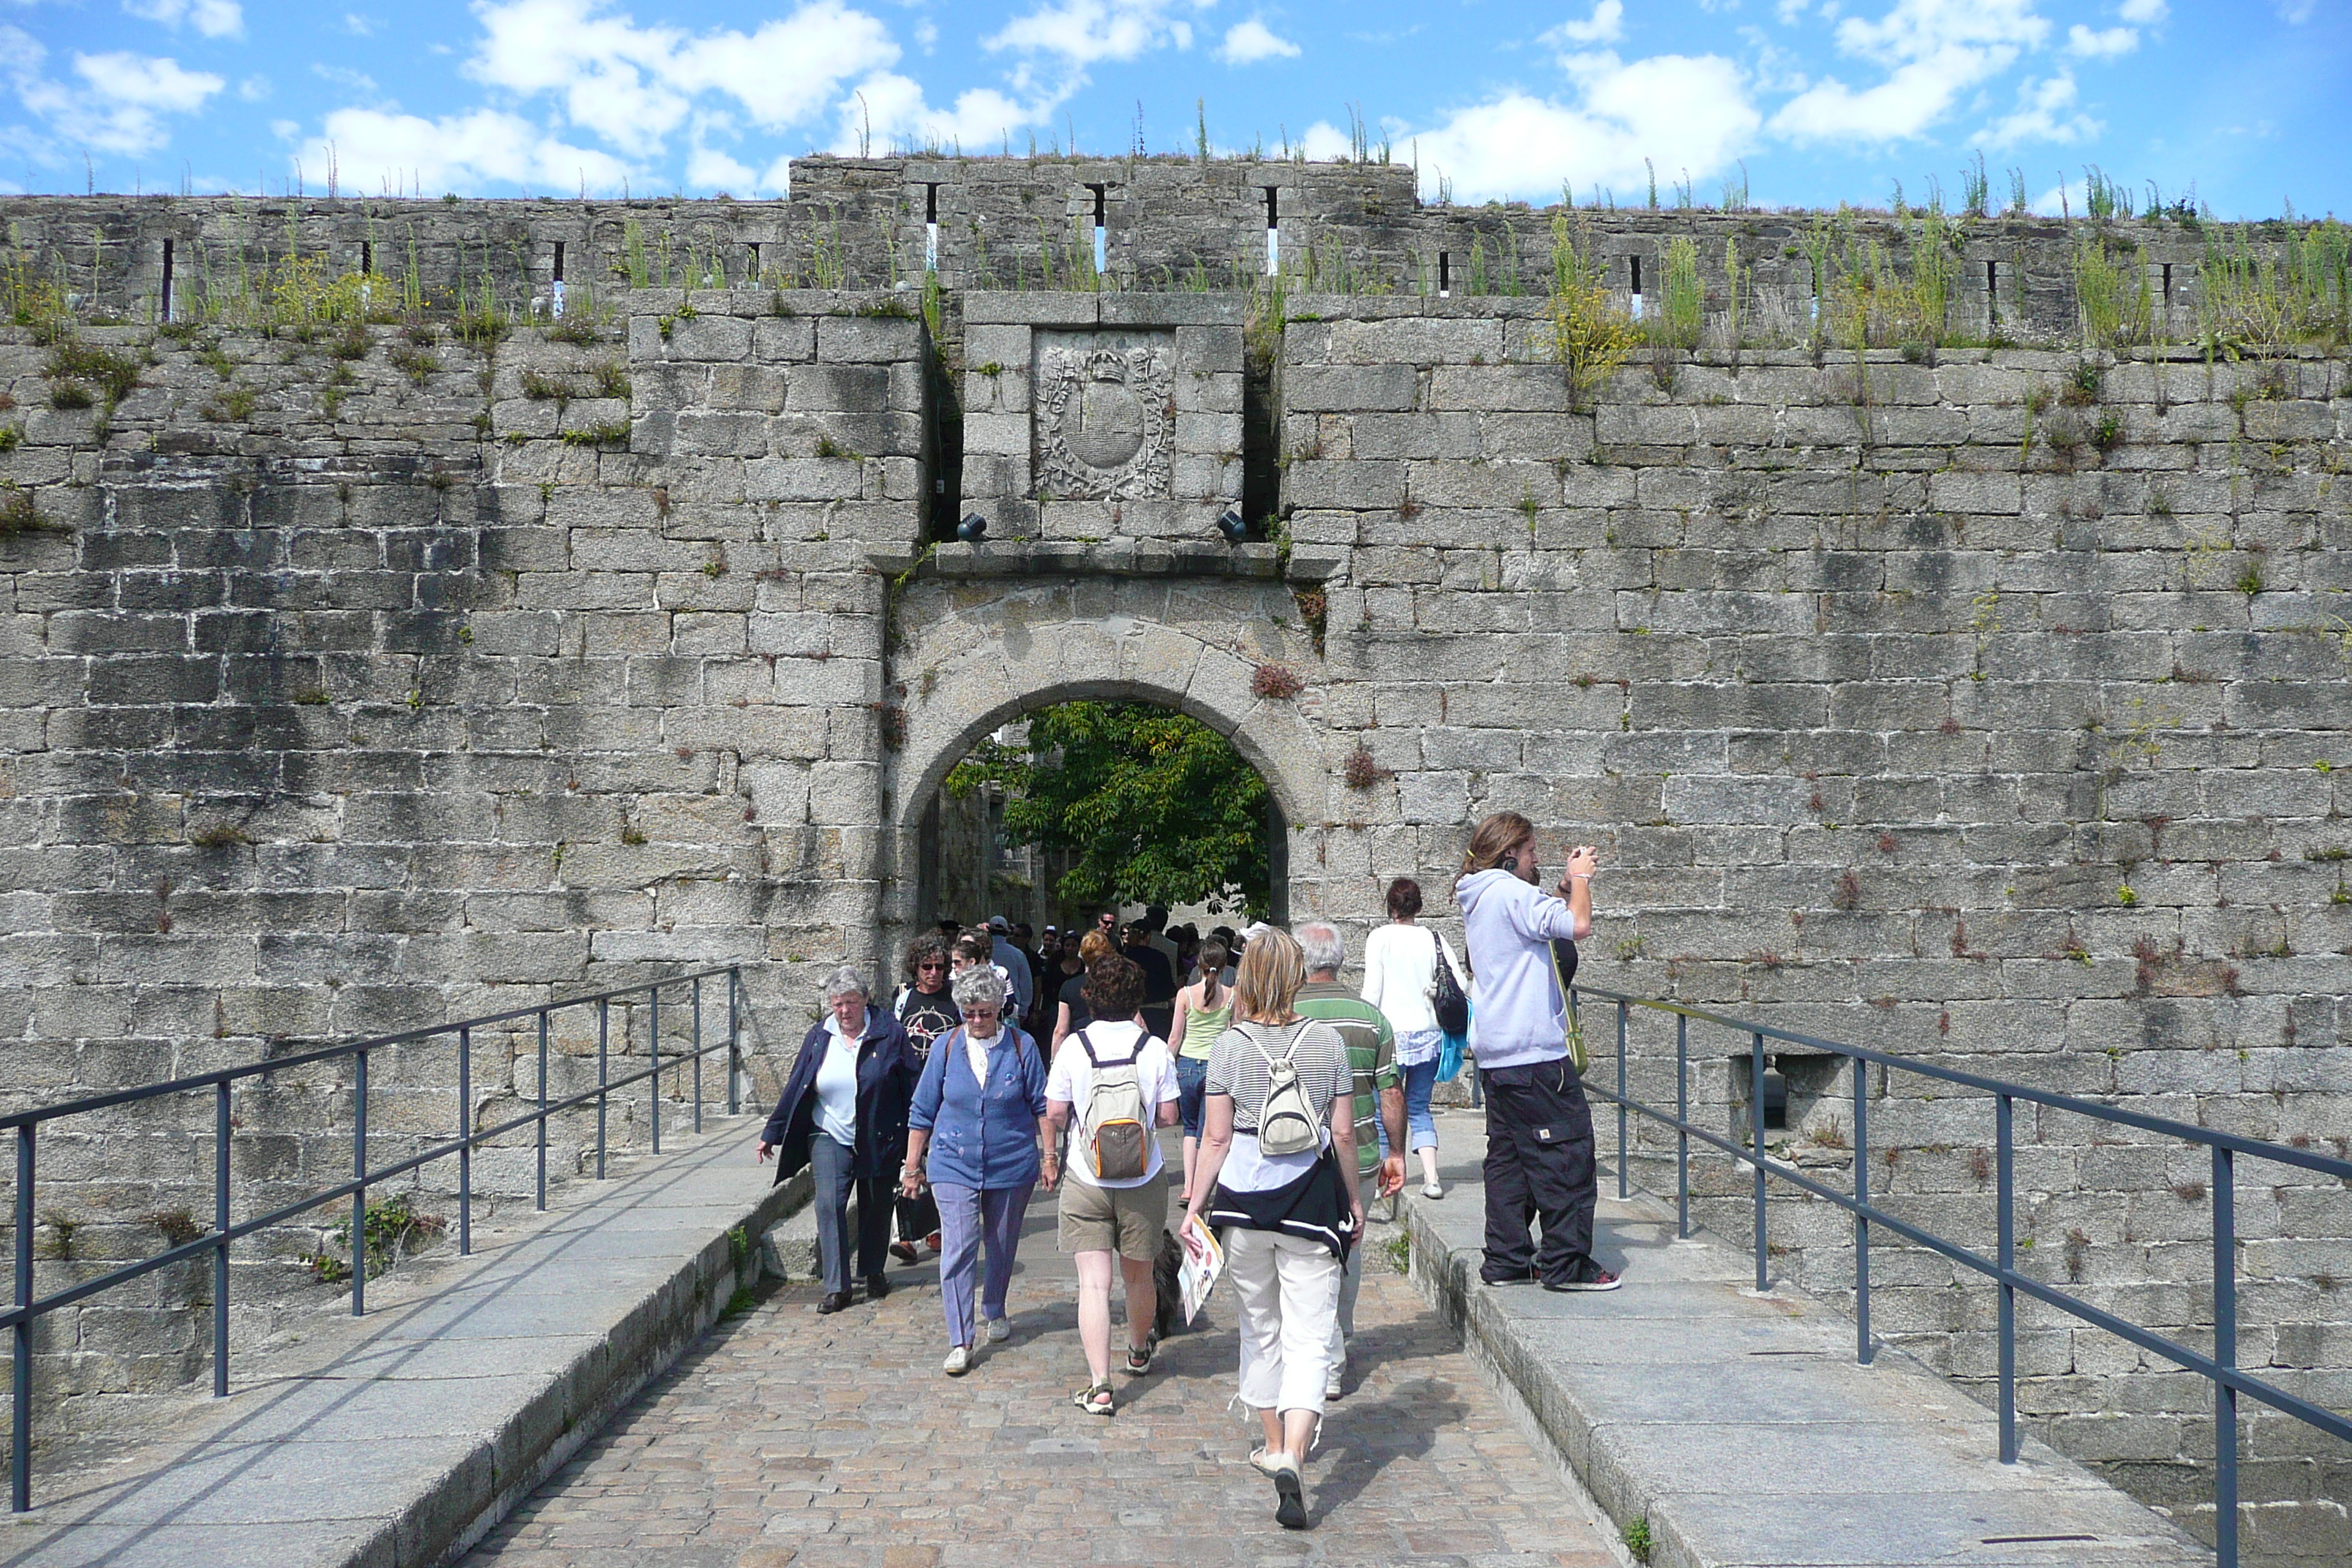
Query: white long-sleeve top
point(1399, 963)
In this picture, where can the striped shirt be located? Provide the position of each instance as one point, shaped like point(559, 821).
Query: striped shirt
point(1372, 1053)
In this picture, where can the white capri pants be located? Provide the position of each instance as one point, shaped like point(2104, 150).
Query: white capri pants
point(1287, 1289)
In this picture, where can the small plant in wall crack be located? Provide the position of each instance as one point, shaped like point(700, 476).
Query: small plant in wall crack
point(1277, 682)
point(1636, 1537)
point(1362, 770)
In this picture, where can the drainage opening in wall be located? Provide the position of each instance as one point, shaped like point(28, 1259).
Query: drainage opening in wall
point(1076, 807)
point(1807, 1097)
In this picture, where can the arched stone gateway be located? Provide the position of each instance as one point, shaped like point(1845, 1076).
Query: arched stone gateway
point(979, 651)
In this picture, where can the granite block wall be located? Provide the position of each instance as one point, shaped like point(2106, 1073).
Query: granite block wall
point(1986, 705)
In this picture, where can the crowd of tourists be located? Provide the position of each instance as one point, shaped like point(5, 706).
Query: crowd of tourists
point(999, 1066)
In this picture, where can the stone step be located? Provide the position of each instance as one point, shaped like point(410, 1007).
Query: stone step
point(399, 1438)
point(1738, 1427)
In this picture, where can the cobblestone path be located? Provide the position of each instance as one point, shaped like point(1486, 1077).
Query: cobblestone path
point(835, 1442)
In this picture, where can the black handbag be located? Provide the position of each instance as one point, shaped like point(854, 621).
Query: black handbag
point(1445, 997)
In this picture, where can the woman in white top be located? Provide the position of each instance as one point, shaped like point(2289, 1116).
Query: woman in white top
point(1401, 962)
point(1104, 1217)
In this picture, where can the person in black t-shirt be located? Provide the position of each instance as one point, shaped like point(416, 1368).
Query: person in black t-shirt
point(1074, 1012)
point(927, 1012)
point(1159, 979)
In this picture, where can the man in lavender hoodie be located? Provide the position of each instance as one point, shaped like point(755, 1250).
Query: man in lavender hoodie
point(1540, 1157)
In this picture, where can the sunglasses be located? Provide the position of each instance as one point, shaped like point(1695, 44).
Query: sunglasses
point(927, 966)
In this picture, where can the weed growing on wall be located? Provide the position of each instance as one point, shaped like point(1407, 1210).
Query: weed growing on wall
point(1591, 334)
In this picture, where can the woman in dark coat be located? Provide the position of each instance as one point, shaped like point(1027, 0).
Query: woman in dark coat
point(844, 1114)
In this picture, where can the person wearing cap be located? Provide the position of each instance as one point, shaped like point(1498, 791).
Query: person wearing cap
point(1009, 960)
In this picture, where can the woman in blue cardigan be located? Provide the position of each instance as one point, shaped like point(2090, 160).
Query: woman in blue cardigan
point(980, 1112)
point(843, 1114)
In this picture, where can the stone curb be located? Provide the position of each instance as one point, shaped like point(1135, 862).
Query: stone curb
point(1695, 1526)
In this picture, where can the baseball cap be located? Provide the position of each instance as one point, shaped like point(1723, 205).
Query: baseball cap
point(998, 922)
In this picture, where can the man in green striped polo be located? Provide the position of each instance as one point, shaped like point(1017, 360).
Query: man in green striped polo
point(1372, 1053)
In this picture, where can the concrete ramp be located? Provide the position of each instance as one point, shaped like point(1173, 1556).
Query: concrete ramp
point(1739, 1426)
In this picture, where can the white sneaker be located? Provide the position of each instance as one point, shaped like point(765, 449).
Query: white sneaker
point(999, 1330)
point(1333, 1379)
point(959, 1360)
point(1432, 1190)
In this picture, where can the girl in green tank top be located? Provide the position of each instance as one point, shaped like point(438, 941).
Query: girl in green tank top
point(1205, 1007)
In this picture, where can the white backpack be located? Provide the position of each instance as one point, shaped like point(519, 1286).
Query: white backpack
point(1286, 1122)
point(1113, 1131)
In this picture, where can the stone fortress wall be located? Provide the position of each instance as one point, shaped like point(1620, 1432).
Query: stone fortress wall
point(1985, 703)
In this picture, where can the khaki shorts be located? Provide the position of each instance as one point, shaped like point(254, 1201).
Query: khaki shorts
point(1126, 1220)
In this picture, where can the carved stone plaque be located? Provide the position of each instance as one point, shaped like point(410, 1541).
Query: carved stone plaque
point(1104, 421)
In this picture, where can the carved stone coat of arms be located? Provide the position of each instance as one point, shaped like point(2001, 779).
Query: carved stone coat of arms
point(1104, 419)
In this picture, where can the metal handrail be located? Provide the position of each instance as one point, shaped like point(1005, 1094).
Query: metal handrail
point(28, 1310)
point(2221, 1368)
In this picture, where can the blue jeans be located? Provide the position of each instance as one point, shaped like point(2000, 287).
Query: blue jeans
point(1420, 1127)
point(1191, 1093)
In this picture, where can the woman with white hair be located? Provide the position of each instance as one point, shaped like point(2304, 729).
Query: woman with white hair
point(842, 1113)
point(979, 1114)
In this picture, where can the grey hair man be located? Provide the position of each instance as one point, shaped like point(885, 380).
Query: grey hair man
point(1371, 1057)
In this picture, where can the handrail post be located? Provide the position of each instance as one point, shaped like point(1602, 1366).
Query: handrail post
point(734, 1077)
point(1682, 1120)
point(604, 1040)
point(697, 1053)
point(653, 1039)
point(20, 1454)
point(2225, 1353)
point(1861, 1221)
point(220, 1239)
point(1623, 1190)
point(541, 1204)
point(359, 1194)
point(2001, 1115)
point(1756, 1116)
point(465, 1143)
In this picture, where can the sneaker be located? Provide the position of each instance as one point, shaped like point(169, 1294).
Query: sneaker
point(1432, 1190)
point(1334, 1379)
point(1519, 1277)
point(1095, 1399)
point(1289, 1496)
point(1586, 1276)
point(999, 1330)
point(904, 1251)
point(1139, 1358)
point(959, 1360)
point(1267, 1462)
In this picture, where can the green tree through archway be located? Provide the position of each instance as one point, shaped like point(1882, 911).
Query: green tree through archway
point(1151, 805)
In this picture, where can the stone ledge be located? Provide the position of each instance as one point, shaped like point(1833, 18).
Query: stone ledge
point(400, 1439)
point(1111, 558)
point(1739, 1426)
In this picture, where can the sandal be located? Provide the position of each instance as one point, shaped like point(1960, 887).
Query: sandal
point(1139, 1358)
point(1095, 1399)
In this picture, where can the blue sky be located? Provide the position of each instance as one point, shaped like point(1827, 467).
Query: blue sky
point(1822, 100)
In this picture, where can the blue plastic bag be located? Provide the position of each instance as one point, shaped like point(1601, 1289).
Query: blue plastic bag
point(1450, 1055)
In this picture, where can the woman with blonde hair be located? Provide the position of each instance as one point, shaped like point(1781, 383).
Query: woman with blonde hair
point(1278, 1131)
point(1075, 1014)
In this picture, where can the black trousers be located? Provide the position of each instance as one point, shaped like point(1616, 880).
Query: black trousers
point(836, 1172)
point(1540, 1164)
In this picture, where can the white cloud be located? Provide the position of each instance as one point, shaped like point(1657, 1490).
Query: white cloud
point(892, 109)
point(1685, 112)
point(2146, 13)
point(1248, 42)
point(1085, 31)
point(1605, 25)
point(2294, 13)
point(1933, 51)
point(212, 18)
point(2044, 112)
point(2106, 44)
point(633, 85)
point(380, 149)
point(121, 102)
point(253, 88)
point(707, 169)
point(359, 26)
